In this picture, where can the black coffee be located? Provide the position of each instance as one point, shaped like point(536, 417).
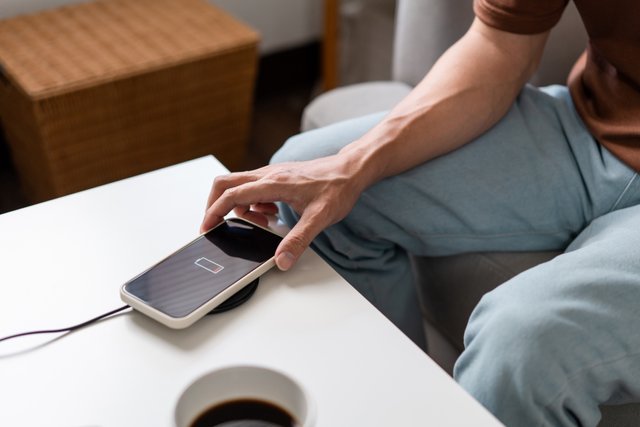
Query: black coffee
point(245, 413)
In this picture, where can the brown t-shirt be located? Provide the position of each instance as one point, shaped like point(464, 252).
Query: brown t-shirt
point(605, 81)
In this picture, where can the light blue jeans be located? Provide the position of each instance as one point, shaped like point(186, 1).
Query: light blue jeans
point(547, 347)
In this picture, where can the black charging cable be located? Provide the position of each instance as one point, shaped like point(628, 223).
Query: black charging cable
point(232, 302)
point(70, 328)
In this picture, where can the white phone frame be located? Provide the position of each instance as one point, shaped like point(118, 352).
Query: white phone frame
point(200, 312)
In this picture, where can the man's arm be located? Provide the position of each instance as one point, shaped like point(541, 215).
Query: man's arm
point(466, 92)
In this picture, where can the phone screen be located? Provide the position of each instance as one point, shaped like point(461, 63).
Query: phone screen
point(198, 272)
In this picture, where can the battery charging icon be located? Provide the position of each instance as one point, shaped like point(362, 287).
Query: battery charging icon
point(209, 265)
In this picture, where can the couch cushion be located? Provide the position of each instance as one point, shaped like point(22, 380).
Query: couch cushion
point(620, 415)
point(352, 101)
point(450, 287)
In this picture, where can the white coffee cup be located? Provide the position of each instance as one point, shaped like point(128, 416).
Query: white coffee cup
point(244, 383)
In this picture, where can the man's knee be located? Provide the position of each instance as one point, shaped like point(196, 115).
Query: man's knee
point(516, 361)
point(293, 150)
point(325, 141)
point(307, 146)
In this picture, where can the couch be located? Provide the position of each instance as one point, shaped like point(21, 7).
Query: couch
point(424, 29)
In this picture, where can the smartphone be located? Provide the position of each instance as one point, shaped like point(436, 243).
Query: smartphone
point(189, 283)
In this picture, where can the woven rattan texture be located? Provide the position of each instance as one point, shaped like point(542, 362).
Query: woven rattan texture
point(127, 91)
point(83, 45)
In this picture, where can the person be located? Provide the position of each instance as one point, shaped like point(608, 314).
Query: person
point(474, 159)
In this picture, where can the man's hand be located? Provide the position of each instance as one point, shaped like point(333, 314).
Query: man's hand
point(321, 191)
point(465, 93)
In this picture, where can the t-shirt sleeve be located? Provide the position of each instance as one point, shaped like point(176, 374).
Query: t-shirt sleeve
point(520, 16)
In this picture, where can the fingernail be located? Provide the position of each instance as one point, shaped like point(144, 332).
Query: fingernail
point(285, 261)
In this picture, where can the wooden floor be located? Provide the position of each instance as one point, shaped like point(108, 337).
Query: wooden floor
point(10, 196)
point(286, 83)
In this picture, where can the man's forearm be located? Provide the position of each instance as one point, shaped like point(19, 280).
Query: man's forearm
point(467, 91)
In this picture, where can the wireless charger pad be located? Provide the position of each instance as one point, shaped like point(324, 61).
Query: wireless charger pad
point(237, 299)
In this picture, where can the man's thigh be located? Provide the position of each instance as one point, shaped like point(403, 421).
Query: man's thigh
point(532, 182)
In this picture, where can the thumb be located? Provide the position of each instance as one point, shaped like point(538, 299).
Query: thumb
point(296, 241)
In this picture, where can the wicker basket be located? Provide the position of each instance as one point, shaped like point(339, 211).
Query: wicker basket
point(104, 90)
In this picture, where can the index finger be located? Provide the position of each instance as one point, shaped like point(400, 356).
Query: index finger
point(221, 183)
point(247, 194)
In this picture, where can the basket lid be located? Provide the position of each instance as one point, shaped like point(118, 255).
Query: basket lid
point(73, 47)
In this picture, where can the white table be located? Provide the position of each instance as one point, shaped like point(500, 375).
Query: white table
point(63, 261)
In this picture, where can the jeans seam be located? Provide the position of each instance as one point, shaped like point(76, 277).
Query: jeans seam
point(623, 192)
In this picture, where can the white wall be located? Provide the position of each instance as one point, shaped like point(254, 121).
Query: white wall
point(9, 8)
point(281, 23)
